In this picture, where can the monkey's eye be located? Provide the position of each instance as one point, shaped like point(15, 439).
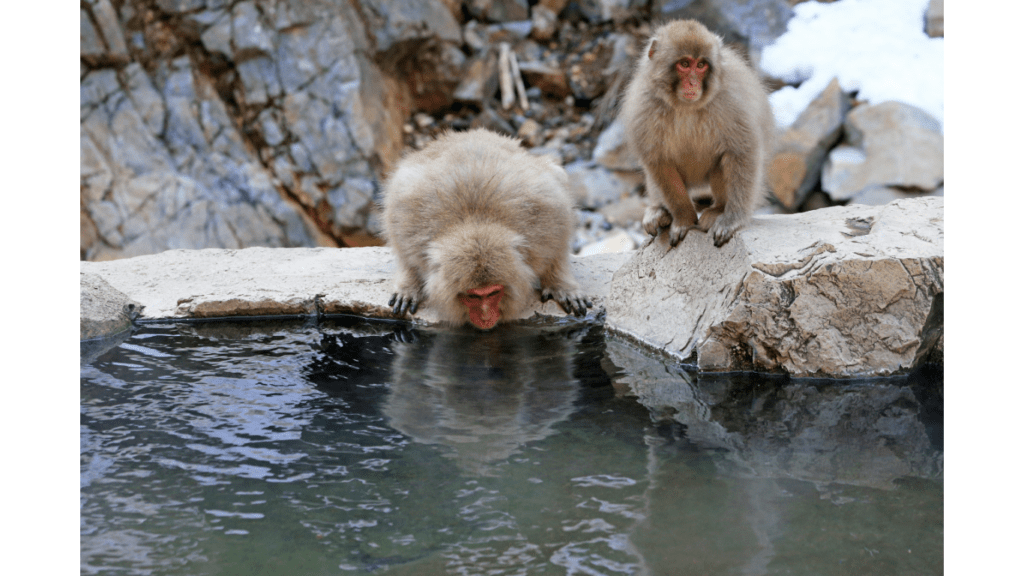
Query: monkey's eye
point(686, 63)
point(702, 65)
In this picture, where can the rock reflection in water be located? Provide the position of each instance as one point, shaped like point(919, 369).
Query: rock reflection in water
point(858, 433)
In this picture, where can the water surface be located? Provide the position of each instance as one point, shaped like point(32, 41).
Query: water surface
point(351, 447)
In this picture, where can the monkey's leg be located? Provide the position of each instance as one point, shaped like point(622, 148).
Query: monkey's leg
point(733, 184)
point(558, 284)
point(409, 293)
point(677, 201)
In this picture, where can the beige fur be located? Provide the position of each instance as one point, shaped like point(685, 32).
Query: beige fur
point(474, 209)
point(722, 139)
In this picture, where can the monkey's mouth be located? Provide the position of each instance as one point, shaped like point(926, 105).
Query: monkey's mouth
point(691, 95)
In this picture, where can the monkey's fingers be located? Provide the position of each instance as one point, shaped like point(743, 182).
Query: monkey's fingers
point(403, 304)
point(393, 298)
point(677, 234)
point(655, 218)
point(722, 235)
point(574, 305)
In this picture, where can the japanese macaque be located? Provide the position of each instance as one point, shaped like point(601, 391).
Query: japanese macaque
point(477, 224)
point(696, 113)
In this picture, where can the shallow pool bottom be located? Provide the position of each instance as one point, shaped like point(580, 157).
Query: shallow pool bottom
point(355, 447)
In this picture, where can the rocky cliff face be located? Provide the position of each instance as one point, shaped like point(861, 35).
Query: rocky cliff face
point(207, 123)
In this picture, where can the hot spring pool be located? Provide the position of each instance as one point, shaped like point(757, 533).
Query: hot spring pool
point(354, 447)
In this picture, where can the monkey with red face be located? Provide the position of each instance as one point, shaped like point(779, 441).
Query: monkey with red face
point(695, 113)
point(477, 224)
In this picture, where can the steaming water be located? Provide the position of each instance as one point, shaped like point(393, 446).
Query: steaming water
point(350, 447)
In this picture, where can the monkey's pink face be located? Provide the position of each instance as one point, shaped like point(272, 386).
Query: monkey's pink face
point(691, 73)
point(483, 305)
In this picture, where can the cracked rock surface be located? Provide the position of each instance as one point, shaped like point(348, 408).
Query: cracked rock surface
point(246, 123)
point(843, 291)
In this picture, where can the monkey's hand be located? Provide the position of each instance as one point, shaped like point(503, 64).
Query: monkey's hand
point(656, 218)
point(402, 303)
point(571, 302)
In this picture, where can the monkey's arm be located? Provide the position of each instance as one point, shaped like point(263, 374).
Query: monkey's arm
point(674, 197)
point(734, 185)
point(409, 292)
point(558, 284)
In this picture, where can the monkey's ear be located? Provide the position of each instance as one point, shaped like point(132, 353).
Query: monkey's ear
point(650, 53)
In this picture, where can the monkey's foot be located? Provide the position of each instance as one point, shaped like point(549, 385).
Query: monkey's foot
point(572, 302)
point(403, 303)
point(722, 227)
point(676, 234)
point(656, 218)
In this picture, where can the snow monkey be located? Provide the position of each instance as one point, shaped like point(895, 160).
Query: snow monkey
point(477, 223)
point(696, 113)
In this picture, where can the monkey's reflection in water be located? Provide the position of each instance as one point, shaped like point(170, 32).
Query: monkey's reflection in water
point(482, 395)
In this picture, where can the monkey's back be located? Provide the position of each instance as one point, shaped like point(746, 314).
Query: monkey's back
point(482, 177)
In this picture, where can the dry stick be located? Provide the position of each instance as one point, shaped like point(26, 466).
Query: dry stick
point(520, 88)
point(505, 76)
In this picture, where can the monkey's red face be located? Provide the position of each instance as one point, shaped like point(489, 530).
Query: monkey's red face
point(691, 73)
point(483, 305)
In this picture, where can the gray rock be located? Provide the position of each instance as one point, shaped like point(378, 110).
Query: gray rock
point(110, 27)
point(595, 186)
point(91, 44)
point(755, 23)
point(493, 121)
point(881, 195)
point(612, 151)
point(625, 212)
point(179, 6)
point(104, 310)
point(498, 10)
point(857, 292)
point(617, 241)
point(249, 31)
point(550, 80)
point(933, 19)
point(392, 22)
point(217, 37)
point(887, 144)
point(480, 81)
point(544, 21)
point(597, 11)
point(268, 281)
point(795, 169)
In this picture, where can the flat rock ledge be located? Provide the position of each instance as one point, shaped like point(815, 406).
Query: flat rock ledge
point(852, 291)
point(839, 292)
point(218, 283)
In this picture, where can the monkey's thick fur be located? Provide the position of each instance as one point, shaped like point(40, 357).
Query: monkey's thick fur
point(475, 209)
point(723, 138)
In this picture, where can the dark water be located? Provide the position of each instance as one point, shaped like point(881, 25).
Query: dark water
point(351, 447)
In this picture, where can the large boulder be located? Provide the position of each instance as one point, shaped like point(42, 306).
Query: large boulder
point(887, 144)
point(104, 311)
point(795, 170)
point(844, 291)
